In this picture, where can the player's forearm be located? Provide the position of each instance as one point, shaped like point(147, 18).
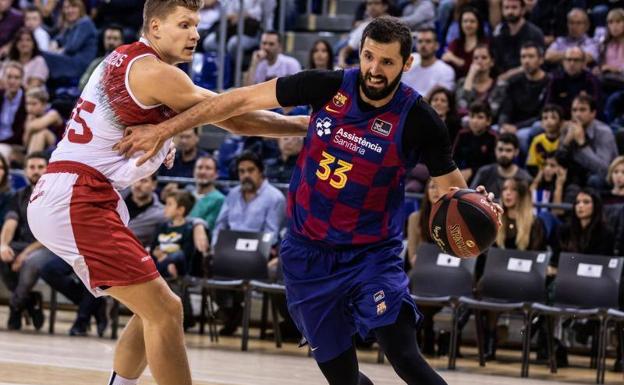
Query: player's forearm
point(266, 123)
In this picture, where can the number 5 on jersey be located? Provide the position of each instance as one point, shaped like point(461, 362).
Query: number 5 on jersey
point(339, 178)
point(83, 106)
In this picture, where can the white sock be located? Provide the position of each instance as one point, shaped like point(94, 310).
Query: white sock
point(116, 379)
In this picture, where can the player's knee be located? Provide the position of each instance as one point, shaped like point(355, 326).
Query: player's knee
point(173, 308)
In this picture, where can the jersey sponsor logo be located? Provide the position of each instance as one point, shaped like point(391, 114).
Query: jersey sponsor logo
point(340, 100)
point(355, 143)
point(323, 126)
point(381, 127)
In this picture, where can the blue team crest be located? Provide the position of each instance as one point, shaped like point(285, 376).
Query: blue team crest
point(381, 127)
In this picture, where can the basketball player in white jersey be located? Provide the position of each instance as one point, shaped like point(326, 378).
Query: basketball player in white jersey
point(76, 212)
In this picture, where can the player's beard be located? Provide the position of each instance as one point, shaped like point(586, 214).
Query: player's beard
point(378, 94)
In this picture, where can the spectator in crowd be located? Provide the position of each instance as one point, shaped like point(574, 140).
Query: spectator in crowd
point(615, 179)
point(521, 229)
point(49, 10)
point(480, 84)
point(321, 56)
point(578, 25)
point(253, 14)
point(25, 51)
point(474, 146)
point(566, 84)
point(173, 247)
point(127, 14)
point(509, 36)
point(279, 170)
point(492, 176)
point(12, 108)
point(254, 205)
point(145, 210)
point(611, 59)
point(75, 46)
point(548, 141)
point(209, 17)
point(430, 71)
point(374, 9)
point(187, 145)
point(550, 17)
point(208, 198)
point(549, 185)
point(417, 233)
point(471, 34)
point(112, 38)
point(269, 62)
point(442, 100)
point(6, 192)
point(33, 20)
point(418, 14)
point(524, 95)
point(21, 254)
point(586, 141)
point(43, 124)
point(10, 21)
point(362, 14)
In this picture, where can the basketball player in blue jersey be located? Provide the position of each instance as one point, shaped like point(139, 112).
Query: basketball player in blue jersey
point(340, 255)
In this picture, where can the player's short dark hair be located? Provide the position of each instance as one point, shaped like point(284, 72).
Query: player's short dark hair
point(252, 157)
point(37, 155)
point(531, 44)
point(481, 108)
point(586, 99)
point(273, 32)
point(183, 199)
point(509, 138)
point(162, 8)
point(555, 109)
point(388, 29)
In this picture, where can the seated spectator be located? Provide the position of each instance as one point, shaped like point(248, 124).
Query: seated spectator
point(374, 9)
point(550, 17)
point(208, 199)
point(279, 170)
point(418, 14)
point(10, 21)
point(430, 71)
point(254, 205)
point(128, 14)
point(145, 210)
point(509, 36)
point(33, 20)
point(21, 254)
point(43, 124)
point(578, 25)
point(187, 145)
point(611, 60)
point(269, 62)
point(573, 79)
point(480, 84)
point(474, 146)
point(492, 176)
point(209, 17)
point(12, 108)
point(75, 46)
point(548, 141)
point(586, 142)
point(111, 39)
point(26, 52)
point(442, 101)
point(524, 95)
point(321, 56)
point(549, 185)
point(521, 230)
point(615, 179)
point(253, 15)
point(173, 247)
point(471, 34)
point(6, 192)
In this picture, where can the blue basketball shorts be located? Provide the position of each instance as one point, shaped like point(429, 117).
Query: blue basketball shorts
point(334, 294)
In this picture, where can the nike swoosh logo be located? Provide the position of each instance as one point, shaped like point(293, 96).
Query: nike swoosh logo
point(313, 349)
point(331, 110)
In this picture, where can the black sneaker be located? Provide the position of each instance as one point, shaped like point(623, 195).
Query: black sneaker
point(78, 329)
point(35, 310)
point(15, 319)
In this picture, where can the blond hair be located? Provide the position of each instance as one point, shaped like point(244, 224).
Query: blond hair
point(38, 93)
point(162, 8)
point(616, 162)
point(13, 64)
point(524, 217)
point(76, 3)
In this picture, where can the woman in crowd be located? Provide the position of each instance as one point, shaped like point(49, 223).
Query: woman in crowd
point(615, 178)
point(321, 56)
point(611, 59)
point(471, 33)
point(443, 102)
point(479, 83)
point(25, 50)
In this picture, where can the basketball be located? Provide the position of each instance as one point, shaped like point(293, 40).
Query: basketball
point(463, 223)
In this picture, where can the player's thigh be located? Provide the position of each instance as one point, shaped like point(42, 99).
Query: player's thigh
point(150, 300)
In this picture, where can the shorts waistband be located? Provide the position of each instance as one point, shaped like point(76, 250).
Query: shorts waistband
point(69, 166)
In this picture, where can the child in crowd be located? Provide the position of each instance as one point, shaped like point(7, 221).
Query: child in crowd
point(548, 141)
point(43, 123)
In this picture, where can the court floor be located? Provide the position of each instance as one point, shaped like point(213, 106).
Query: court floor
point(32, 358)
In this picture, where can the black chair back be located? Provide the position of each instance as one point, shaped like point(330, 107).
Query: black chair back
point(437, 274)
point(515, 275)
point(241, 254)
point(588, 281)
